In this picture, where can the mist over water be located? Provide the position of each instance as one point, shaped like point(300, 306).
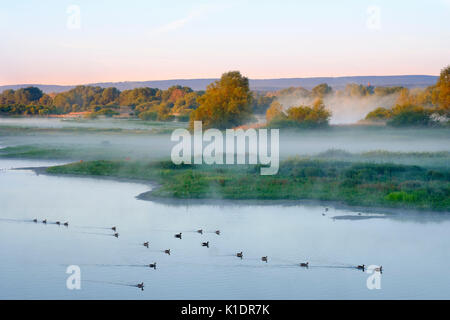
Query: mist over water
point(105, 142)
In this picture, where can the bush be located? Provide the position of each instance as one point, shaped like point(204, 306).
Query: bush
point(183, 117)
point(401, 196)
point(409, 115)
point(107, 112)
point(379, 114)
point(299, 117)
point(148, 115)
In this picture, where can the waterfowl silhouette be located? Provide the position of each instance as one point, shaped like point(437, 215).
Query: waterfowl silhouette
point(116, 234)
point(304, 264)
point(140, 286)
point(361, 267)
point(44, 221)
point(167, 251)
point(379, 269)
point(152, 265)
point(58, 223)
point(239, 255)
point(200, 231)
point(35, 220)
point(66, 224)
point(205, 244)
point(178, 235)
point(217, 232)
point(114, 229)
point(146, 244)
point(264, 259)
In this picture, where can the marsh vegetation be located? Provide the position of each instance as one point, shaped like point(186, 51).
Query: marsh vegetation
point(353, 183)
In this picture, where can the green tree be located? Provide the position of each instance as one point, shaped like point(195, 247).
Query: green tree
point(321, 90)
point(409, 115)
point(28, 95)
point(110, 95)
point(358, 90)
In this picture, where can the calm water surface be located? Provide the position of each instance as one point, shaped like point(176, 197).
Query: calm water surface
point(413, 249)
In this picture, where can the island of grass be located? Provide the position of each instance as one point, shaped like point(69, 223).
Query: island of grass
point(360, 184)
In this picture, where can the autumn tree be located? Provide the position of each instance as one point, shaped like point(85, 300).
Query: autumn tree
point(275, 111)
point(302, 116)
point(226, 103)
point(443, 88)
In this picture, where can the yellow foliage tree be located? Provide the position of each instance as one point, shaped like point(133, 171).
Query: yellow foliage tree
point(225, 104)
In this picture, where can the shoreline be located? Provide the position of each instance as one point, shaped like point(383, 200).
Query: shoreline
point(178, 202)
point(43, 171)
point(148, 196)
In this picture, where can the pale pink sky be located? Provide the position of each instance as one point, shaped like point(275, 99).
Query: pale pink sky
point(139, 40)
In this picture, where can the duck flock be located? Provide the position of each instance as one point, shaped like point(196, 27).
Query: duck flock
point(179, 235)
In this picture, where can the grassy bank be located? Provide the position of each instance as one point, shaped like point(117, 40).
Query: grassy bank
point(362, 184)
point(69, 153)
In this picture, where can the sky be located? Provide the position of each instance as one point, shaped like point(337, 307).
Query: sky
point(78, 41)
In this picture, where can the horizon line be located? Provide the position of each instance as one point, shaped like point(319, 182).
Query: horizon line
point(188, 79)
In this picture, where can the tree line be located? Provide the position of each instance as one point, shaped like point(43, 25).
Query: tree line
point(412, 107)
point(229, 102)
point(146, 103)
point(100, 101)
point(428, 107)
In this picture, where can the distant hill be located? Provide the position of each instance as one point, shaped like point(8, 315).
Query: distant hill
point(408, 81)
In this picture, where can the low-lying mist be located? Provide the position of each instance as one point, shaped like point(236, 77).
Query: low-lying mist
point(345, 109)
point(102, 144)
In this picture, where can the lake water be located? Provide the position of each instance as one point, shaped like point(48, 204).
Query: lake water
point(413, 249)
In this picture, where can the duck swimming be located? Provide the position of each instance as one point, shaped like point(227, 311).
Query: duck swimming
point(205, 244)
point(44, 221)
point(178, 235)
point(146, 244)
point(167, 251)
point(35, 220)
point(239, 255)
point(114, 229)
point(304, 264)
point(152, 265)
point(264, 259)
point(116, 235)
point(379, 269)
point(58, 223)
point(66, 224)
point(140, 286)
point(200, 231)
point(361, 267)
point(217, 232)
